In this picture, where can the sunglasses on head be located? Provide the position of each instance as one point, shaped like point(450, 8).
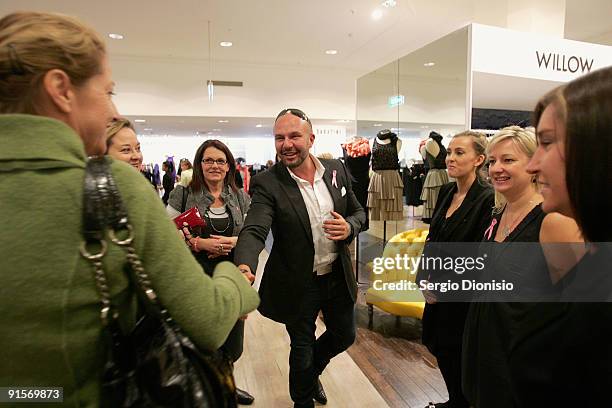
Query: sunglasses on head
point(295, 112)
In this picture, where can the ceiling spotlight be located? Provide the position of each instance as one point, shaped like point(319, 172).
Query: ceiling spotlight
point(258, 125)
point(223, 121)
point(116, 36)
point(429, 64)
point(331, 52)
point(377, 125)
point(377, 14)
point(226, 43)
point(139, 120)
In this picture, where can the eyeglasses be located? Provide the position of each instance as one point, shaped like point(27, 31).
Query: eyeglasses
point(218, 162)
point(295, 112)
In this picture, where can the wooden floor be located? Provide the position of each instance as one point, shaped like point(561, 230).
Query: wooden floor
point(387, 366)
point(263, 370)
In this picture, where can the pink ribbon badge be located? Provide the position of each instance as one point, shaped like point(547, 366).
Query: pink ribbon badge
point(489, 230)
point(334, 182)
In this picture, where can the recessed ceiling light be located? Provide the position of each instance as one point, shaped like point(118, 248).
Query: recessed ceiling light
point(116, 36)
point(226, 43)
point(331, 52)
point(389, 3)
point(429, 64)
point(148, 129)
point(216, 130)
point(223, 121)
point(377, 125)
point(259, 125)
point(210, 133)
point(377, 14)
point(140, 120)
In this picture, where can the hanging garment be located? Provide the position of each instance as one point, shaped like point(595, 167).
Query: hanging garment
point(358, 165)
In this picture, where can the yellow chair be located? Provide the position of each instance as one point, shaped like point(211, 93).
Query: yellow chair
point(389, 291)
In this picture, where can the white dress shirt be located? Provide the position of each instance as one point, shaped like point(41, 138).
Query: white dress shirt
point(319, 203)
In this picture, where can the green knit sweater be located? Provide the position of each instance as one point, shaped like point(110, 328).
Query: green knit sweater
point(49, 307)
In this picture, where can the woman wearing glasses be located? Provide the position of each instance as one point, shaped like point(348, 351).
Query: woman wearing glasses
point(223, 206)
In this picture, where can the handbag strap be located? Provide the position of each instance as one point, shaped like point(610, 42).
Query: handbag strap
point(103, 210)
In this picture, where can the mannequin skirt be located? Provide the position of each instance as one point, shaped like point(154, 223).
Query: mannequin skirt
point(385, 196)
point(434, 180)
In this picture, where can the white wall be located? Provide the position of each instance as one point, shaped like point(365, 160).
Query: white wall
point(178, 88)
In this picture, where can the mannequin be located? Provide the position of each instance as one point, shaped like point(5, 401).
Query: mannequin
point(434, 157)
point(385, 191)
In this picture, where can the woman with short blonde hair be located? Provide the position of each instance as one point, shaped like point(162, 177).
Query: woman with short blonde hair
point(122, 142)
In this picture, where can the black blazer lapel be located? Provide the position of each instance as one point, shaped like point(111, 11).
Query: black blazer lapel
point(334, 191)
point(290, 187)
point(466, 206)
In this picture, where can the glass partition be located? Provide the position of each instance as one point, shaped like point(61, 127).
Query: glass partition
point(421, 92)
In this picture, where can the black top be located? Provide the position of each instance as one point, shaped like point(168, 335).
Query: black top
point(491, 327)
point(385, 156)
point(218, 224)
point(563, 356)
point(443, 322)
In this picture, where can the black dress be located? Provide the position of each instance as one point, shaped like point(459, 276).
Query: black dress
point(563, 357)
point(491, 324)
point(443, 322)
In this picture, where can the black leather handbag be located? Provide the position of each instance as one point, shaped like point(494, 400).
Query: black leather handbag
point(156, 365)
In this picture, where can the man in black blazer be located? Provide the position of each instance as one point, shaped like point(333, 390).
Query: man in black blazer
point(313, 214)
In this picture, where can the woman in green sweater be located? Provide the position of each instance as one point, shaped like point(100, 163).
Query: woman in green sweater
point(55, 102)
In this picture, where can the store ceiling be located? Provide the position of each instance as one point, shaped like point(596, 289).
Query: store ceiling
point(280, 32)
point(291, 32)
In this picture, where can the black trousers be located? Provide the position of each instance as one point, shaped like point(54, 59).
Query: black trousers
point(233, 346)
point(309, 356)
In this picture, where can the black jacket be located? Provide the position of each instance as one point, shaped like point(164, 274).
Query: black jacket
point(443, 322)
point(277, 204)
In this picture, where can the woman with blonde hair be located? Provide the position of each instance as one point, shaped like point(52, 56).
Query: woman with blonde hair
point(185, 173)
point(55, 103)
point(122, 143)
point(462, 213)
point(492, 320)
